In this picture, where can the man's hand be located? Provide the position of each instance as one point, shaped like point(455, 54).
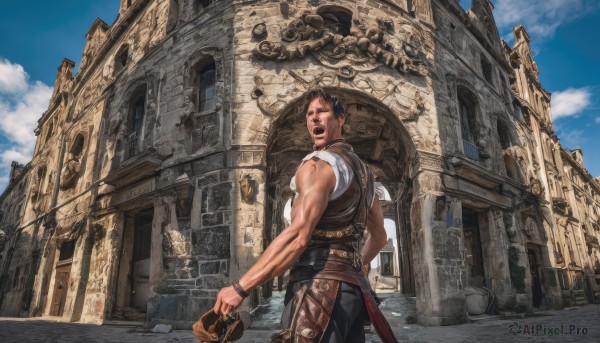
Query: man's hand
point(365, 269)
point(227, 301)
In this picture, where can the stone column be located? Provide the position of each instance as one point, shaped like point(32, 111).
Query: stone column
point(439, 267)
point(105, 270)
point(248, 231)
point(496, 265)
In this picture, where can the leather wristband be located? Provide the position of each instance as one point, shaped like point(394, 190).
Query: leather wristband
point(239, 290)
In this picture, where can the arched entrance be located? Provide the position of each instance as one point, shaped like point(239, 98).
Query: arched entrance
point(378, 137)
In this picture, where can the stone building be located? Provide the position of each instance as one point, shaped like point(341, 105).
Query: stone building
point(162, 166)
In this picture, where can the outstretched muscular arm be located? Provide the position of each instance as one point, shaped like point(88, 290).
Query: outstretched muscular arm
point(314, 181)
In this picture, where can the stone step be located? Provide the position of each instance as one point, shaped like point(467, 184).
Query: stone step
point(483, 318)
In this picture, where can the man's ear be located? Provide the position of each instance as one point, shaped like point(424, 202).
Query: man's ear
point(342, 118)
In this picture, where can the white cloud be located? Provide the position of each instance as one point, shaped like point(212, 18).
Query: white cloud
point(12, 154)
point(570, 102)
point(13, 78)
point(541, 18)
point(22, 103)
point(597, 120)
point(19, 119)
point(571, 138)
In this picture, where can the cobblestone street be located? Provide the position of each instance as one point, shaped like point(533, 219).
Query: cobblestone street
point(577, 324)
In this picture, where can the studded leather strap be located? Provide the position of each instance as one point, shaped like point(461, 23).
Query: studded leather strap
point(312, 307)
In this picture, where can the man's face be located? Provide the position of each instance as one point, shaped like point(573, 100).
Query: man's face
point(322, 125)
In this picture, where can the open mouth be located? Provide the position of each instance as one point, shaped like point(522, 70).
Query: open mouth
point(318, 130)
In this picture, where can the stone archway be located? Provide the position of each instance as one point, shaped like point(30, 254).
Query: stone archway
point(378, 137)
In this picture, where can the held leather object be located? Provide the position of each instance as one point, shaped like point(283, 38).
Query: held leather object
point(212, 327)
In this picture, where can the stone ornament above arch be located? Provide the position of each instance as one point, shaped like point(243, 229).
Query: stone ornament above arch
point(197, 58)
point(368, 46)
point(88, 96)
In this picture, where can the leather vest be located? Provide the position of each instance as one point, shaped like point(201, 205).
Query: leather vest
point(345, 217)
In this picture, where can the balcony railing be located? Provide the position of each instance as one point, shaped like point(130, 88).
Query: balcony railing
point(471, 150)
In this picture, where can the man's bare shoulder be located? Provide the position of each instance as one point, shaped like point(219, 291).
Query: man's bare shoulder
point(315, 172)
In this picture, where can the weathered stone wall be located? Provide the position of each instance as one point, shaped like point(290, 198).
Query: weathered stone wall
point(11, 210)
point(215, 182)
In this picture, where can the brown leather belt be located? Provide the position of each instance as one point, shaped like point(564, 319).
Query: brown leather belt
point(341, 233)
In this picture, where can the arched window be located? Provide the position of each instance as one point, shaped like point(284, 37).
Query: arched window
point(38, 184)
point(121, 59)
point(503, 134)
point(206, 82)
point(504, 88)
point(202, 4)
point(518, 110)
point(486, 69)
point(50, 131)
point(512, 168)
point(77, 148)
point(538, 99)
point(559, 186)
point(529, 60)
point(545, 109)
point(466, 105)
point(548, 151)
point(137, 111)
point(337, 19)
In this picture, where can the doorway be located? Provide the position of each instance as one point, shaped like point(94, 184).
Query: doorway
point(473, 251)
point(536, 281)
point(61, 279)
point(141, 259)
point(134, 266)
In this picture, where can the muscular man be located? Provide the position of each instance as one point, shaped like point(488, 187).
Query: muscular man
point(334, 206)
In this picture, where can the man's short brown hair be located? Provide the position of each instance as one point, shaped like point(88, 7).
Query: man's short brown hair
point(336, 102)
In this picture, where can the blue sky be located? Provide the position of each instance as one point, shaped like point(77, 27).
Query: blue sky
point(35, 39)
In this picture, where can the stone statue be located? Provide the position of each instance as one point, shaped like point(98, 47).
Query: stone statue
point(70, 172)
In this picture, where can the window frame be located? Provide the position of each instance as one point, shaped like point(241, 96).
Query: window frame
point(487, 70)
point(136, 121)
point(121, 60)
point(206, 104)
point(390, 258)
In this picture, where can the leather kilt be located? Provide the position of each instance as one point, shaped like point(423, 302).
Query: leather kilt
point(314, 287)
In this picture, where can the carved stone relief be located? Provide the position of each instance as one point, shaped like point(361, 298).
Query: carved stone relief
point(70, 172)
point(248, 188)
point(259, 31)
point(367, 47)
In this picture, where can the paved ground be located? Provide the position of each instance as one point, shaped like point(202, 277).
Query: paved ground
point(559, 326)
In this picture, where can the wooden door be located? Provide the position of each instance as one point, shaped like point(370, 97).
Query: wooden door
point(61, 287)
